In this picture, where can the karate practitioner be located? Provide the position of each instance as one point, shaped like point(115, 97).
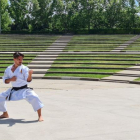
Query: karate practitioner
point(19, 76)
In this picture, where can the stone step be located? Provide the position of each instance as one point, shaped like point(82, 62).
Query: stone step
point(53, 51)
point(75, 59)
point(120, 78)
point(128, 75)
point(138, 67)
point(58, 49)
point(73, 52)
point(57, 46)
point(45, 60)
point(113, 80)
point(41, 62)
point(124, 45)
point(43, 55)
point(40, 58)
point(64, 41)
point(37, 75)
point(33, 65)
point(40, 70)
point(129, 72)
point(46, 57)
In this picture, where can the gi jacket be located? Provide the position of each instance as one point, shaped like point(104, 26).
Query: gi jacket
point(21, 73)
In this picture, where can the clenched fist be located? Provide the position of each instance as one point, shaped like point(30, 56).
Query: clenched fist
point(30, 72)
point(14, 78)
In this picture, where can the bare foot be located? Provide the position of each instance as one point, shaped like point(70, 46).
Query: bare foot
point(40, 119)
point(4, 115)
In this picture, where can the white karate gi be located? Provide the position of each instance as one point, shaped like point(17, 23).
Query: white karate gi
point(21, 73)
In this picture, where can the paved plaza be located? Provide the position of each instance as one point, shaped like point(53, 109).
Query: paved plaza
point(76, 110)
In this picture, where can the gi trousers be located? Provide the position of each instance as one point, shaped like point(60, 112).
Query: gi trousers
point(28, 94)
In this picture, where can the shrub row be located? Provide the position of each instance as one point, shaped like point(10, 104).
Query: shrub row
point(83, 31)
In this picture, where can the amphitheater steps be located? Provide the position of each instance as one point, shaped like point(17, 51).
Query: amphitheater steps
point(44, 60)
point(123, 46)
point(129, 74)
point(41, 62)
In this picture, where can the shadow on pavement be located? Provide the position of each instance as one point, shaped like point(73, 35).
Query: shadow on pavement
point(12, 122)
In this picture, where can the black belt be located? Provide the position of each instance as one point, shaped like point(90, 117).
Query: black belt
point(17, 88)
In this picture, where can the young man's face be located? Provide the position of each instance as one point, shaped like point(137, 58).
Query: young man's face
point(18, 61)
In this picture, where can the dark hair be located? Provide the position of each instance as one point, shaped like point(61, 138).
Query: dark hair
point(17, 54)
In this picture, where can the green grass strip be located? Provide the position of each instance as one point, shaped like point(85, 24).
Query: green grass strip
point(78, 75)
point(137, 79)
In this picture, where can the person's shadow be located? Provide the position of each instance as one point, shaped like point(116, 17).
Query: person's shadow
point(12, 122)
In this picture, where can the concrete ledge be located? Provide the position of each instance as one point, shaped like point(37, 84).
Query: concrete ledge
point(128, 75)
point(114, 80)
point(86, 79)
point(50, 59)
point(72, 78)
point(81, 72)
point(134, 82)
point(40, 72)
point(47, 62)
point(33, 67)
point(71, 52)
point(137, 69)
point(94, 56)
point(12, 58)
point(39, 67)
point(44, 71)
point(96, 63)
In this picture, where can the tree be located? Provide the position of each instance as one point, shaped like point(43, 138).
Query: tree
point(43, 15)
point(72, 15)
point(22, 12)
point(5, 18)
point(18, 11)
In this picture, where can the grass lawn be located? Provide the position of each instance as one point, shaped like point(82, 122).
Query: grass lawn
point(78, 75)
point(26, 42)
point(135, 46)
point(84, 70)
point(102, 62)
point(95, 61)
point(90, 65)
point(1, 74)
point(92, 57)
point(96, 42)
point(138, 79)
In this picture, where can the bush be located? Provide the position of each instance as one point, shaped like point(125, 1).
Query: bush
point(83, 31)
point(108, 31)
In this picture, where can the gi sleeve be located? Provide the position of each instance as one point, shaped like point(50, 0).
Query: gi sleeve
point(26, 73)
point(6, 76)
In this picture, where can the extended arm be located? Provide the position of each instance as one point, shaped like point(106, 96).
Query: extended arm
point(29, 79)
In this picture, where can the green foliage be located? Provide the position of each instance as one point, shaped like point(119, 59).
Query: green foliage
point(5, 18)
point(71, 15)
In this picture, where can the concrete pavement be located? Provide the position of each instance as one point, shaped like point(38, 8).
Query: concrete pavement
point(76, 110)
